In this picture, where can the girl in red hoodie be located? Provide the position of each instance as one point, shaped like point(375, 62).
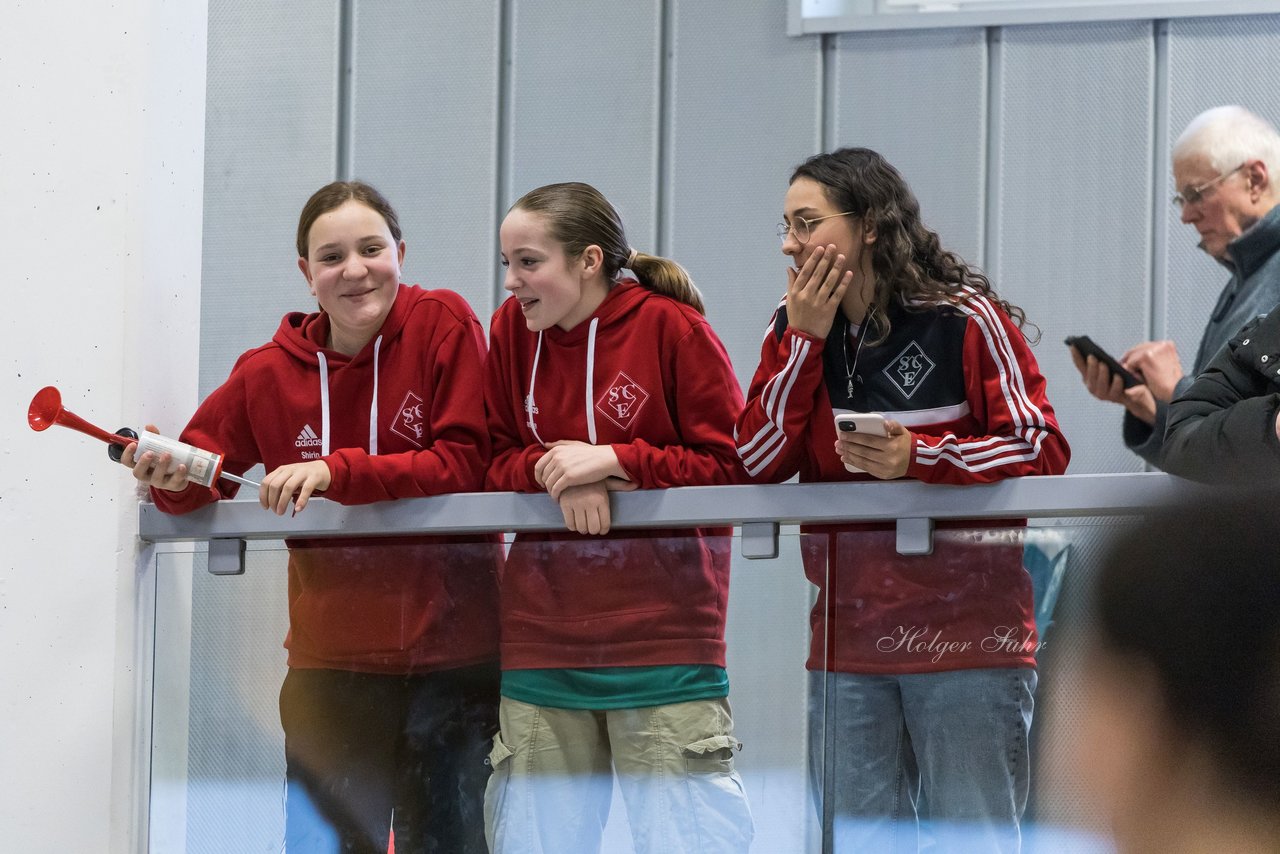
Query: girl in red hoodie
point(612, 646)
point(390, 701)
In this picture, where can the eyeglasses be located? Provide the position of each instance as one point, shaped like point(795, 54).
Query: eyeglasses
point(1195, 195)
point(803, 228)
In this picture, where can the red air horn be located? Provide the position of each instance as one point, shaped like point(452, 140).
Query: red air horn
point(203, 467)
point(46, 410)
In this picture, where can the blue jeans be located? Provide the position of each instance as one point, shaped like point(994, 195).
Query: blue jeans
point(939, 761)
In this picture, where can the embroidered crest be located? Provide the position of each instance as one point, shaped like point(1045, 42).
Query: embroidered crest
point(909, 369)
point(622, 400)
point(409, 420)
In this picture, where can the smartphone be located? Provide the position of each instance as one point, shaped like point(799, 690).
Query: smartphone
point(1085, 345)
point(860, 422)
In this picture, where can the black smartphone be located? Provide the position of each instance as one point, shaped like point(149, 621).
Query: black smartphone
point(1085, 345)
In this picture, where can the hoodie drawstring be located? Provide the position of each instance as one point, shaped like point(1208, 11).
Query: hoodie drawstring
point(591, 370)
point(530, 406)
point(373, 407)
point(324, 404)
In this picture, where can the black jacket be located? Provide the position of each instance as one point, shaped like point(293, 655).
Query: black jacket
point(1223, 428)
point(1254, 289)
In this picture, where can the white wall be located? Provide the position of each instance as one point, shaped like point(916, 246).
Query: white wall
point(101, 152)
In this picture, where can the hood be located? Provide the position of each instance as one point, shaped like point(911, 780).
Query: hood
point(623, 299)
point(303, 336)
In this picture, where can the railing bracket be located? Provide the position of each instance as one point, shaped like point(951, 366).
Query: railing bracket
point(915, 536)
point(226, 557)
point(760, 540)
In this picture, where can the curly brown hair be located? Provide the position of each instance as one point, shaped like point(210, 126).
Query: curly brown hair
point(908, 259)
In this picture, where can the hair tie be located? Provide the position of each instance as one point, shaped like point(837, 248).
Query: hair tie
point(631, 260)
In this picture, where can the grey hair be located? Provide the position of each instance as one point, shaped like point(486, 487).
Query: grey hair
point(1229, 136)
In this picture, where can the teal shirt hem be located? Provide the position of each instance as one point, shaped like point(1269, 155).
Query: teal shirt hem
point(603, 688)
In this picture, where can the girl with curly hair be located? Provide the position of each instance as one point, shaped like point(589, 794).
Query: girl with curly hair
point(922, 666)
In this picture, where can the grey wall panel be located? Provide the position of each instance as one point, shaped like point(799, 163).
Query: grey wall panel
point(919, 98)
point(584, 102)
point(1212, 61)
point(1074, 206)
point(424, 130)
point(269, 144)
point(744, 111)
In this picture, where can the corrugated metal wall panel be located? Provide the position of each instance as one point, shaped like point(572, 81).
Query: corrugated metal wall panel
point(424, 130)
point(584, 103)
point(1074, 206)
point(919, 98)
point(269, 144)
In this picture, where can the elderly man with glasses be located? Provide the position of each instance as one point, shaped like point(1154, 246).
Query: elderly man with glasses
point(1227, 166)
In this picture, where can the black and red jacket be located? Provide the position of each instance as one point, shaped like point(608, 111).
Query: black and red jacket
point(961, 378)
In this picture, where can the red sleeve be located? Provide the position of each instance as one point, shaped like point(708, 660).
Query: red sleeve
point(220, 424)
point(511, 469)
point(1006, 394)
point(706, 400)
point(770, 430)
point(459, 451)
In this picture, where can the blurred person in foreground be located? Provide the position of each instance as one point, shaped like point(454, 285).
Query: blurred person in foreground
point(1180, 737)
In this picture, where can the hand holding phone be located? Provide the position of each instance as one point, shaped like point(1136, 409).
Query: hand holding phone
point(860, 422)
point(1086, 346)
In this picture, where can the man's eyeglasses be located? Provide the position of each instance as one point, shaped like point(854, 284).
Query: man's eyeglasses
point(1195, 195)
point(803, 228)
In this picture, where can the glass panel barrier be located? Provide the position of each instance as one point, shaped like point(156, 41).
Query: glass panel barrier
point(929, 672)
point(218, 774)
point(660, 603)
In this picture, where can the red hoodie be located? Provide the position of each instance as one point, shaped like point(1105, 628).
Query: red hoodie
point(394, 605)
point(646, 375)
point(962, 379)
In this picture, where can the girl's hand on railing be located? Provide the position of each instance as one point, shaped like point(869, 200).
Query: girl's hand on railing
point(300, 479)
point(571, 463)
point(586, 508)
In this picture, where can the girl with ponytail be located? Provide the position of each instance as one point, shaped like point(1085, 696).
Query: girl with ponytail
point(613, 650)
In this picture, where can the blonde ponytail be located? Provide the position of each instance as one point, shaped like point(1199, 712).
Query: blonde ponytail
point(578, 216)
point(666, 277)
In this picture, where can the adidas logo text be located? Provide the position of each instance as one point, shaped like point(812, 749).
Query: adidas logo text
point(307, 438)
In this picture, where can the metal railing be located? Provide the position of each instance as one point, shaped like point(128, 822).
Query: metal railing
point(757, 510)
